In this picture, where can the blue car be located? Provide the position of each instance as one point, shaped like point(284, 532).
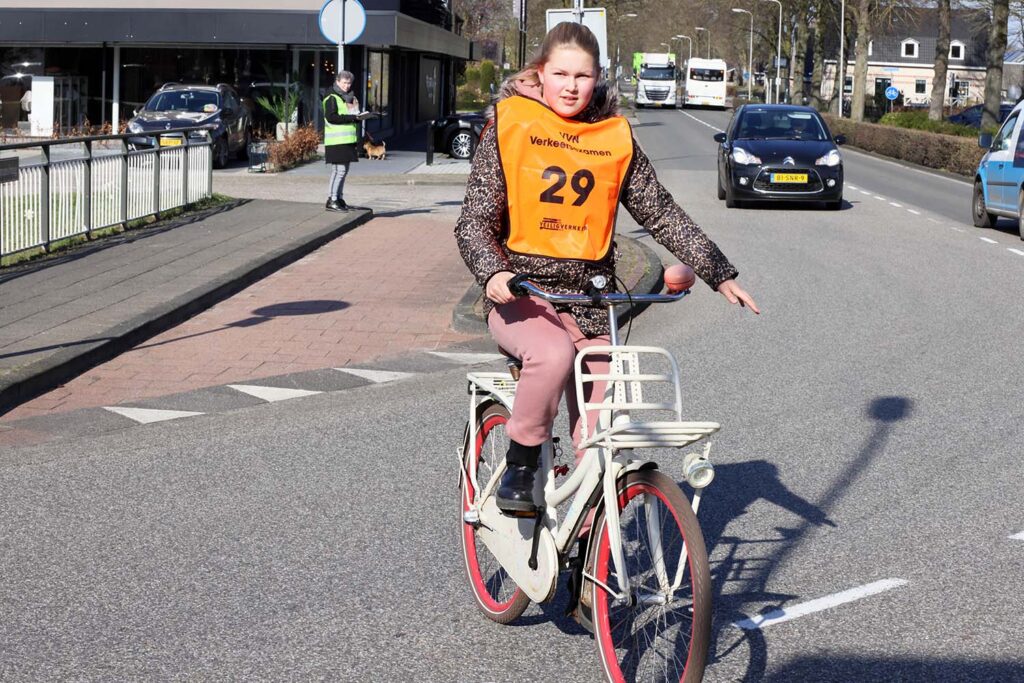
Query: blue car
point(972, 115)
point(999, 180)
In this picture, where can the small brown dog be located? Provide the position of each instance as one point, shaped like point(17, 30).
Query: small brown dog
point(375, 151)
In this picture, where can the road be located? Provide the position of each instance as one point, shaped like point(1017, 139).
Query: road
point(870, 444)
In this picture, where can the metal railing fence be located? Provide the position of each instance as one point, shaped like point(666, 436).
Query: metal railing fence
point(102, 182)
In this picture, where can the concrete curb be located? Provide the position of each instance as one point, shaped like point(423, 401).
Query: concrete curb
point(37, 378)
point(411, 179)
point(466, 320)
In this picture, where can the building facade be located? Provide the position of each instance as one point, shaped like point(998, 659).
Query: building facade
point(903, 55)
point(106, 58)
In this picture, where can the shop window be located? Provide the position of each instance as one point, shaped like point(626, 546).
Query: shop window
point(378, 90)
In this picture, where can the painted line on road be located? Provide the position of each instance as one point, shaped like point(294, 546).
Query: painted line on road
point(377, 376)
point(953, 227)
point(147, 416)
point(864, 192)
point(703, 123)
point(985, 239)
point(877, 197)
point(854, 152)
point(1018, 537)
point(1018, 252)
point(898, 206)
point(916, 213)
point(852, 187)
point(780, 615)
point(271, 394)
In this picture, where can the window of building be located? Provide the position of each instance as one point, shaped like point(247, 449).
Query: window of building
point(848, 85)
point(908, 48)
point(956, 50)
point(871, 47)
point(378, 90)
point(919, 86)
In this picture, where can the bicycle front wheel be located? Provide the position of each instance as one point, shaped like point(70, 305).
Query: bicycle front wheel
point(497, 595)
point(659, 634)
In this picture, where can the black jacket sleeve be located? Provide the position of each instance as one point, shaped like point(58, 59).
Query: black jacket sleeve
point(332, 115)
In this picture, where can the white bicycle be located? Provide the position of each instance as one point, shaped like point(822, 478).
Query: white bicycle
point(642, 571)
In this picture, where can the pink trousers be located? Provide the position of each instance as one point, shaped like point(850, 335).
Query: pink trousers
point(546, 341)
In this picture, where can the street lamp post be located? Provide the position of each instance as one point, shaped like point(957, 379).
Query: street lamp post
point(618, 63)
point(750, 53)
point(688, 41)
point(778, 53)
point(701, 28)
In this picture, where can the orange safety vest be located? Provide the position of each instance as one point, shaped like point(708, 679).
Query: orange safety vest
point(563, 178)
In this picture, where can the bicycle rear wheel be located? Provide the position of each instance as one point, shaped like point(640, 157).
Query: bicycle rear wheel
point(656, 635)
point(497, 595)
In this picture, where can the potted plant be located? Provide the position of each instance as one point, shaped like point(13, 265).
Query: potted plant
point(285, 109)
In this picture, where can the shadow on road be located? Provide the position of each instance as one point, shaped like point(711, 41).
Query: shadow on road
point(740, 577)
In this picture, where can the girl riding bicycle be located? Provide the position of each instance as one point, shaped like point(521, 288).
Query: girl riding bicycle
point(541, 199)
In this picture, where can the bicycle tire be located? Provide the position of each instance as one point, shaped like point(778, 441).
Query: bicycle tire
point(628, 634)
point(496, 594)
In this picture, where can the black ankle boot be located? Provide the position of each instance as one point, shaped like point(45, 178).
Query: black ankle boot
point(515, 493)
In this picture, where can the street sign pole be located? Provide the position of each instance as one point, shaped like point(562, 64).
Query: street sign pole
point(341, 43)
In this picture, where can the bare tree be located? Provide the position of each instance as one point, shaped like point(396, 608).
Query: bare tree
point(935, 111)
point(994, 73)
point(861, 11)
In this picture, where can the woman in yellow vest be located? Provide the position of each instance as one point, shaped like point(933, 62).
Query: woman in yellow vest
point(542, 196)
point(341, 132)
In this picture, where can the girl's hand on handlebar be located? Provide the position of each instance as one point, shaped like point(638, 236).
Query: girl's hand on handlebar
point(735, 295)
point(497, 287)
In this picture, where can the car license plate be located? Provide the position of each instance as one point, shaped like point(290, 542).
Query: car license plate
point(789, 177)
point(170, 142)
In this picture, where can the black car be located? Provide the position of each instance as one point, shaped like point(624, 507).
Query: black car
point(972, 115)
point(182, 106)
point(456, 134)
point(779, 152)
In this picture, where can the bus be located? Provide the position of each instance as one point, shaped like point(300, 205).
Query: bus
point(705, 83)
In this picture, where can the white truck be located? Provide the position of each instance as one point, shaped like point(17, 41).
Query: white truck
point(655, 79)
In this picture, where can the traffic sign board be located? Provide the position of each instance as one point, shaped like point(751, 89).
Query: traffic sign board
point(330, 20)
point(891, 92)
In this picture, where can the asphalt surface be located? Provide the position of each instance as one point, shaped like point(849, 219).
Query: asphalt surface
point(871, 431)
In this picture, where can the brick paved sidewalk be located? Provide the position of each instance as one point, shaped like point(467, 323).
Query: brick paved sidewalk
point(387, 287)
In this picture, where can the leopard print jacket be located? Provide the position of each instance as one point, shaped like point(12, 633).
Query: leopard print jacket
point(482, 228)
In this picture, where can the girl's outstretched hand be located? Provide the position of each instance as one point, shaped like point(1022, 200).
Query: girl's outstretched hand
point(497, 287)
point(733, 293)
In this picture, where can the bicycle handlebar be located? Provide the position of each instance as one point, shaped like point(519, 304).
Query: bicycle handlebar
point(520, 286)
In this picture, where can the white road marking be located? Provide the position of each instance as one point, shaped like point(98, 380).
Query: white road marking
point(953, 227)
point(1018, 252)
point(916, 213)
point(877, 197)
point(377, 376)
point(932, 219)
point(467, 358)
point(271, 394)
point(780, 615)
point(1018, 537)
point(703, 123)
point(149, 415)
point(985, 239)
point(863, 192)
point(852, 187)
point(898, 206)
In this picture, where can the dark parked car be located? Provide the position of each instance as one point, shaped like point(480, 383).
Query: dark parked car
point(456, 134)
point(972, 115)
point(182, 106)
point(779, 152)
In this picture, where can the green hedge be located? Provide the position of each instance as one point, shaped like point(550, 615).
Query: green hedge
point(918, 120)
point(934, 150)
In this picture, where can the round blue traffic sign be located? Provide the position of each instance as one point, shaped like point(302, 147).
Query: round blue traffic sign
point(891, 92)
